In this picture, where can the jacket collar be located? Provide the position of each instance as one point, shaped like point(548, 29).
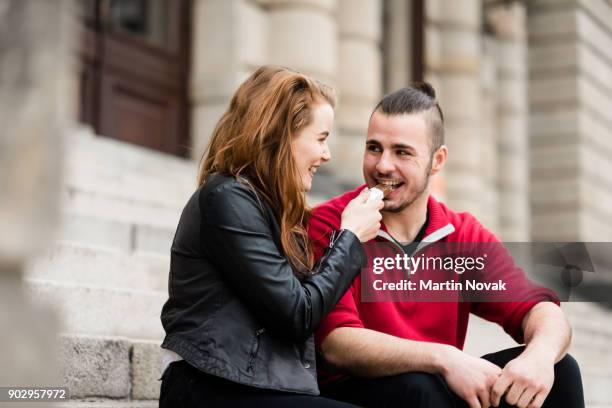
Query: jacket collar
point(438, 228)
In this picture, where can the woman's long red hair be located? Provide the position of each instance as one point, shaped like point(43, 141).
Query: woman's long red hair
point(253, 140)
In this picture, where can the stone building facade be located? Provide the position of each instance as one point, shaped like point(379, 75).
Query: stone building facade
point(525, 86)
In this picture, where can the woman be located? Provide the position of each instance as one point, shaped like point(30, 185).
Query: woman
point(245, 294)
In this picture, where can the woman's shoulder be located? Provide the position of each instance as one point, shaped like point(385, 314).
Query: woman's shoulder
point(226, 192)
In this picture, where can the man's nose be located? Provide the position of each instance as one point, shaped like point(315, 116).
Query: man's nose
point(385, 164)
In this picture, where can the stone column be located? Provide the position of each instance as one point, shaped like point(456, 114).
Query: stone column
point(452, 65)
point(398, 43)
point(359, 83)
point(489, 214)
point(570, 67)
point(36, 108)
point(306, 39)
point(303, 36)
point(229, 40)
point(509, 26)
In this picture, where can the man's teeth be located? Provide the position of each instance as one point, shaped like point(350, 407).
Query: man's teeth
point(390, 183)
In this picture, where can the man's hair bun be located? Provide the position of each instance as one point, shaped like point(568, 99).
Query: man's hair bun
point(426, 88)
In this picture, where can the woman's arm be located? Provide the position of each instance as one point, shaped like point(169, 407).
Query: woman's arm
point(237, 238)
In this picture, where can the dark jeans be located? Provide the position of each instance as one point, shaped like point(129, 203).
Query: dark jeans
point(419, 389)
point(185, 387)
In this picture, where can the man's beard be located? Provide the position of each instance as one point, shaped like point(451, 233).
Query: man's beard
point(407, 203)
point(410, 200)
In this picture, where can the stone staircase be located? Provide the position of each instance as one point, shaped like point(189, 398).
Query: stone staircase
point(106, 275)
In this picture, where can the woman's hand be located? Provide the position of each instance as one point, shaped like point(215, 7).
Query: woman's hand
point(362, 217)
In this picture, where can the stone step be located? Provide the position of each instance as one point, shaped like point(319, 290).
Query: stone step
point(91, 150)
point(104, 222)
point(124, 235)
point(122, 196)
point(95, 310)
point(109, 167)
point(107, 404)
point(102, 267)
point(110, 367)
point(107, 207)
point(125, 185)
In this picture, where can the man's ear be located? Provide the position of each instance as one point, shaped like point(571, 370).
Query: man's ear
point(438, 159)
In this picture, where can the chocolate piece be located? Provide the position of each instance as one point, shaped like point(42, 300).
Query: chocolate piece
point(384, 188)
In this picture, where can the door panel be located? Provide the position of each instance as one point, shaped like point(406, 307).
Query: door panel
point(135, 71)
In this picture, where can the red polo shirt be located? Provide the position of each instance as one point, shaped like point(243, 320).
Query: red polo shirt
point(440, 322)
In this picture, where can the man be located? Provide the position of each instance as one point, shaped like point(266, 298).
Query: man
point(409, 353)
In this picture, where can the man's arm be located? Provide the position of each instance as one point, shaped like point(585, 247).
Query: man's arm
point(368, 353)
point(547, 331)
point(527, 380)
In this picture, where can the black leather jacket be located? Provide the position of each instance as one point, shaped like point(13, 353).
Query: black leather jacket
point(235, 309)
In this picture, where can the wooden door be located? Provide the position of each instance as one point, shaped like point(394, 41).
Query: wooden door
point(135, 58)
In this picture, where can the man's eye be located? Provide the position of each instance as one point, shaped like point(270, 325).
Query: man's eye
point(403, 153)
point(374, 148)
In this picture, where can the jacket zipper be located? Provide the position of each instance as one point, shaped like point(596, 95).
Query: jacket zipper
point(254, 349)
point(334, 237)
point(335, 234)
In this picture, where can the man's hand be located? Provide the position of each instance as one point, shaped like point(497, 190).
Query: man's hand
point(471, 378)
point(526, 381)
